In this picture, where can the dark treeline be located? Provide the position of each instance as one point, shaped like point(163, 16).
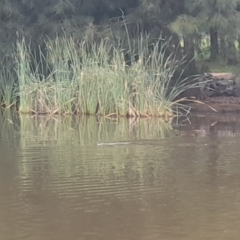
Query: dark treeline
point(188, 22)
point(129, 54)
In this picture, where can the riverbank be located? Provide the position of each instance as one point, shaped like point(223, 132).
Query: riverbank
point(216, 104)
point(228, 102)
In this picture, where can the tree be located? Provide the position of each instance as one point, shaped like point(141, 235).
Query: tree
point(215, 17)
point(38, 18)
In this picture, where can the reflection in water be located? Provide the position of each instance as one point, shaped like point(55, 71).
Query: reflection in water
point(56, 183)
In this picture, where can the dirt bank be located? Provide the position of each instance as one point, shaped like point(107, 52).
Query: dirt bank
point(222, 104)
point(217, 104)
point(223, 75)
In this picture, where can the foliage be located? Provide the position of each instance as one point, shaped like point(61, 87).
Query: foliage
point(98, 18)
point(220, 19)
point(64, 40)
point(36, 19)
point(93, 78)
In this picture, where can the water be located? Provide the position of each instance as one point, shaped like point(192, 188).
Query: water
point(57, 183)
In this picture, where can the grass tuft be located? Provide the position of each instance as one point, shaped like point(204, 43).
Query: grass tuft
point(92, 78)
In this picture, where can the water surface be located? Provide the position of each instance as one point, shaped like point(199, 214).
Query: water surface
point(56, 183)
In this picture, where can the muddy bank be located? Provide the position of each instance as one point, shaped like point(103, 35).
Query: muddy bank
point(220, 93)
point(221, 104)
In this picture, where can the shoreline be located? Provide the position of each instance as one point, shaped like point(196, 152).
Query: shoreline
point(222, 104)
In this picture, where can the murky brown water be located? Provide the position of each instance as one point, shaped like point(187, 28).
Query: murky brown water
point(56, 183)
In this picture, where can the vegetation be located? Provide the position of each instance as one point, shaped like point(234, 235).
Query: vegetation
point(214, 24)
point(105, 57)
point(93, 78)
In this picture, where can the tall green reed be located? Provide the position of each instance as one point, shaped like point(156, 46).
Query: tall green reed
point(8, 88)
point(39, 93)
point(93, 78)
point(24, 75)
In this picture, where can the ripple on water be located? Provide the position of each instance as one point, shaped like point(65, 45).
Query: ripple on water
point(178, 188)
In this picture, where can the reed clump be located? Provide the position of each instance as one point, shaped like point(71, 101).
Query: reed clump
point(92, 78)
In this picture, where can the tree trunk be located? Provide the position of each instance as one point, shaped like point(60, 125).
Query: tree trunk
point(223, 48)
point(190, 54)
point(214, 43)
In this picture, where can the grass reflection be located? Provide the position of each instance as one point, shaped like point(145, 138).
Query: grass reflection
point(89, 130)
point(67, 146)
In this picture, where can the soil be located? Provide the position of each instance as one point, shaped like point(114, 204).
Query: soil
point(221, 104)
point(223, 75)
point(217, 104)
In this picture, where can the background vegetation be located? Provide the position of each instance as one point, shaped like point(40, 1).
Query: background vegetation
point(201, 30)
point(190, 20)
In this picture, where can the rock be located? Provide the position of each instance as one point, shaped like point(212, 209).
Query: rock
point(236, 91)
point(218, 85)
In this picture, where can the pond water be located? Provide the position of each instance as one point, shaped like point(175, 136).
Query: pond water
point(57, 183)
